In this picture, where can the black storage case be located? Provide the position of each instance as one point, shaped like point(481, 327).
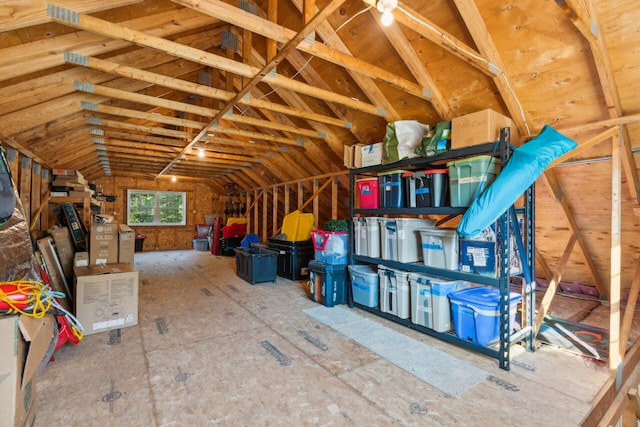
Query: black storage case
point(327, 283)
point(256, 265)
point(228, 245)
point(293, 257)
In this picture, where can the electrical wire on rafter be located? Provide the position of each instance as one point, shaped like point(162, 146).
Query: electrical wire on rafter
point(492, 67)
point(297, 73)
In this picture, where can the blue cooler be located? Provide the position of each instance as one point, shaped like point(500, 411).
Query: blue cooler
point(476, 313)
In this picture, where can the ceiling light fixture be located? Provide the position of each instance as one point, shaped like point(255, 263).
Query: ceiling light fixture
point(386, 7)
point(201, 153)
point(173, 178)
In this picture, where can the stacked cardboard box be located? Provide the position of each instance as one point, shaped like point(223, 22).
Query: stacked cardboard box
point(69, 183)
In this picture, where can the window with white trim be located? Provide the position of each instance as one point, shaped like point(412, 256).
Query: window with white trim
point(156, 207)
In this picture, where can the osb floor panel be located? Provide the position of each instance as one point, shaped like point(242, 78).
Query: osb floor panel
point(211, 349)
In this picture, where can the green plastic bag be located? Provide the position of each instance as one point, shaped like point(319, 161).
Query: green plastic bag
point(435, 142)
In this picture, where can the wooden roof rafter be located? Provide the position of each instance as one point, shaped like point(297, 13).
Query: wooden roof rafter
point(191, 108)
point(271, 30)
point(404, 49)
point(585, 18)
point(264, 72)
point(195, 88)
point(113, 30)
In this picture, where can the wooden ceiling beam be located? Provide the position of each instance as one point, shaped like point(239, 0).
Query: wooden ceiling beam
point(480, 33)
point(189, 124)
point(584, 16)
point(197, 89)
point(271, 30)
point(25, 13)
point(403, 47)
point(40, 55)
point(117, 31)
point(191, 108)
point(330, 38)
point(266, 70)
point(426, 28)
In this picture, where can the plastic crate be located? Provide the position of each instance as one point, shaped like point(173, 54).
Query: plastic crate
point(364, 284)
point(297, 226)
point(327, 283)
point(430, 305)
point(440, 247)
point(256, 265)
point(293, 257)
point(330, 246)
point(201, 244)
point(360, 236)
point(227, 245)
point(368, 193)
point(391, 189)
point(373, 236)
point(466, 175)
point(476, 313)
point(428, 188)
point(394, 291)
point(408, 242)
point(203, 230)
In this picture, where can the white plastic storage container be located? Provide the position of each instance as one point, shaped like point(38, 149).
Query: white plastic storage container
point(388, 246)
point(394, 291)
point(364, 284)
point(440, 247)
point(430, 300)
point(360, 236)
point(373, 236)
point(408, 238)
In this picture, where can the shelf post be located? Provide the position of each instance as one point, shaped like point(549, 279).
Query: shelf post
point(503, 240)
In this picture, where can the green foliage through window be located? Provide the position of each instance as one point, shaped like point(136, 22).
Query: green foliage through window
point(156, 208)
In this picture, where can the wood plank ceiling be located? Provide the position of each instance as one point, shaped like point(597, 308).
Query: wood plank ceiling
point(259, 92)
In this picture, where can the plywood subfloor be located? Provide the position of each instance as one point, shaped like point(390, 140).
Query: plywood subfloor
point(211, 349)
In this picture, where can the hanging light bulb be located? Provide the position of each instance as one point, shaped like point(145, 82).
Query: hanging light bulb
point(387, 18)
point(386, 7)
point(173, 178)
point(201, 153)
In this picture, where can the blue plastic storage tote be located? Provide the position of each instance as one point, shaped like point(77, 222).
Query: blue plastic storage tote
point(476, 313)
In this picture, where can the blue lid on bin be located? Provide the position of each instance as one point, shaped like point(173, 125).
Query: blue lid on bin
point(249, 239)
point(482, 297)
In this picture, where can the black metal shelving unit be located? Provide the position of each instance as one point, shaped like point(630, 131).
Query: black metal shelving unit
point(506, 339)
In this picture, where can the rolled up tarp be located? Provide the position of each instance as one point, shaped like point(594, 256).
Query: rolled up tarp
point(524, 167)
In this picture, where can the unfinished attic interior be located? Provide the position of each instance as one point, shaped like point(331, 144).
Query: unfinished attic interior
point(176, 145)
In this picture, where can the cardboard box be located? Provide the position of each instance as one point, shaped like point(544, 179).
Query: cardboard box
point(68, 180)
point(106, 297)
point(349, 151)
point(83, 194)
point(64, 248)
point(103, 244)
point(24, 342)
point(126, 244)
point(367, 155)
point(480, 128)
point(81, 259)
point(66, 172)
